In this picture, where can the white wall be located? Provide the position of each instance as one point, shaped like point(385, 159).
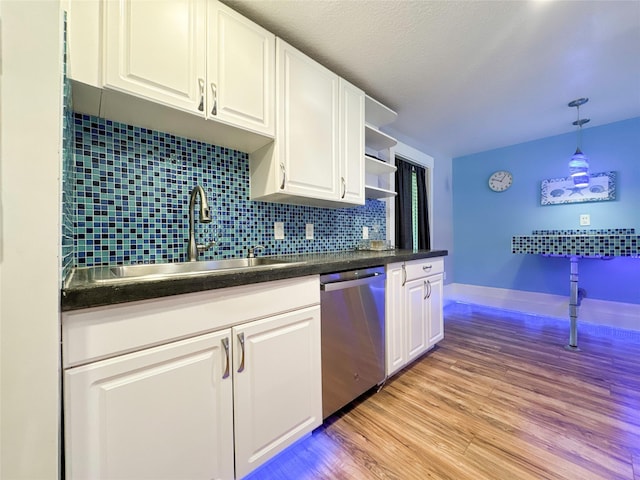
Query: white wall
point(443, 210)
point(30, 132)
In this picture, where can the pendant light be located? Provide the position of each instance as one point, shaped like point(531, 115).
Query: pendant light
point(579, 163)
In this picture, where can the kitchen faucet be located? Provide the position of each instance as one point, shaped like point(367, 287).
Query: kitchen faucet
point(194, 248)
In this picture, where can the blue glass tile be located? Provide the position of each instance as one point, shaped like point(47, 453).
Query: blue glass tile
point(131, 193)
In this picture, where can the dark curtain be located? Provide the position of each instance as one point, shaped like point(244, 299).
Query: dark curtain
point(424, 241)
point(404, 236)
point(404, 227)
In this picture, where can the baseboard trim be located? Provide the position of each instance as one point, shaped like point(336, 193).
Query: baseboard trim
point(598, 312)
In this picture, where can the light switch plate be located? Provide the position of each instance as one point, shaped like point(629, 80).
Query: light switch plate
point(278, 230)
point(365, 232)
point(309, 231)
point(585, 219)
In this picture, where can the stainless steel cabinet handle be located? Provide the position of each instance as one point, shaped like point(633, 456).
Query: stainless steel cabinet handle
point(225, 345)
point(426, 268)
point(201, 84)
point(241, 340)
point(426, 291)
point(344, 187)
point(427, 286)
point(404, 275)
point(284, 176)
point(214, 92)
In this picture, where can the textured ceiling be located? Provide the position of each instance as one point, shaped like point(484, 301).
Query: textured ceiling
point(468, 76)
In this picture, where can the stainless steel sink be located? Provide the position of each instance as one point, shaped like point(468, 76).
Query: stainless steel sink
point(156, 271)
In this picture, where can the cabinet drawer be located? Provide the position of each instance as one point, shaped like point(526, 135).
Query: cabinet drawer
point(422, 268)
point(102, 332)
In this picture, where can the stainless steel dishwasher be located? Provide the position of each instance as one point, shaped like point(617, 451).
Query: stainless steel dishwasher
point(352, 318)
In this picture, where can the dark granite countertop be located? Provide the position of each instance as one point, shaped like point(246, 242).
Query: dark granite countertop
point(101, 294)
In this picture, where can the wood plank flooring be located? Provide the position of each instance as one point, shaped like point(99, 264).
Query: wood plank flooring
point(498, 398)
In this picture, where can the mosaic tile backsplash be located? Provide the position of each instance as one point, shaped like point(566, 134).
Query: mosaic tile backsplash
point(67, 215)
point(590, 231)
point(615, 242)
point(132, 187)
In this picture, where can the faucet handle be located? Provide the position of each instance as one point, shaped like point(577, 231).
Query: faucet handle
point(252, 250)
point(203, 247)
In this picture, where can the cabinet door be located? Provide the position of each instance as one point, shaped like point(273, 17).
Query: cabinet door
point(351, 144)
point(277, 385)
point(308, 105)
point(416, 318)
point(240, 70)
point(164, 412)
point(435, 285)
point(156, 50)
point(394, 323)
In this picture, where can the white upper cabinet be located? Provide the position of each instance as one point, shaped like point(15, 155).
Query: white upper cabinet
point(308, 122)
point(319, 133)
point(171, 65)
point(240, 70)
point(351, 143)
point(156, 50)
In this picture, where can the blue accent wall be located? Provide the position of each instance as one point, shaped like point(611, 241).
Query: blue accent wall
point(484, 221)
point(131, 191)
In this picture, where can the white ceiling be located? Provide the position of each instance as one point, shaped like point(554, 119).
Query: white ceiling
point(469, 76)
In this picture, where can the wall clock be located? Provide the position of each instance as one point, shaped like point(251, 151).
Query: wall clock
point(501, 180)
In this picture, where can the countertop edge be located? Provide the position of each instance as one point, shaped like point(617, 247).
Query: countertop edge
point(306, 264)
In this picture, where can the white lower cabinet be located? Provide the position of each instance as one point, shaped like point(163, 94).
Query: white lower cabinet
point(277, 385)
point(212, 406)
point(164, 412)
point(435, 284)
point(416, 318)
point(394, 323)
point(414, 321)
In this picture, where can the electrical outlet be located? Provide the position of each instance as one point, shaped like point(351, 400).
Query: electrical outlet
point(278, 230)
point(365, 232)
point(309, 231)
point(585, 219)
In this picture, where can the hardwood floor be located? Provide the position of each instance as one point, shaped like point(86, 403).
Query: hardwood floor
point(498, 398)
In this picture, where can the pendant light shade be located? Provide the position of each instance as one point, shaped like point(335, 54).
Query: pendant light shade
point(579, 163)
point(579, 169)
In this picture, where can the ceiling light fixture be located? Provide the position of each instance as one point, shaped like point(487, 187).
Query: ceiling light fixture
point(579, 163)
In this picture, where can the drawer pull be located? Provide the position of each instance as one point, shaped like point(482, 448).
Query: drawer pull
point(426, 268)
point(225, 345)
point(214, 93)
point(284, 176)
point(241, 340)
point(201, 85)
point(427, 287)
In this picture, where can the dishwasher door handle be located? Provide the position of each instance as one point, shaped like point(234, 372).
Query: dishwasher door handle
point(341, 285)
